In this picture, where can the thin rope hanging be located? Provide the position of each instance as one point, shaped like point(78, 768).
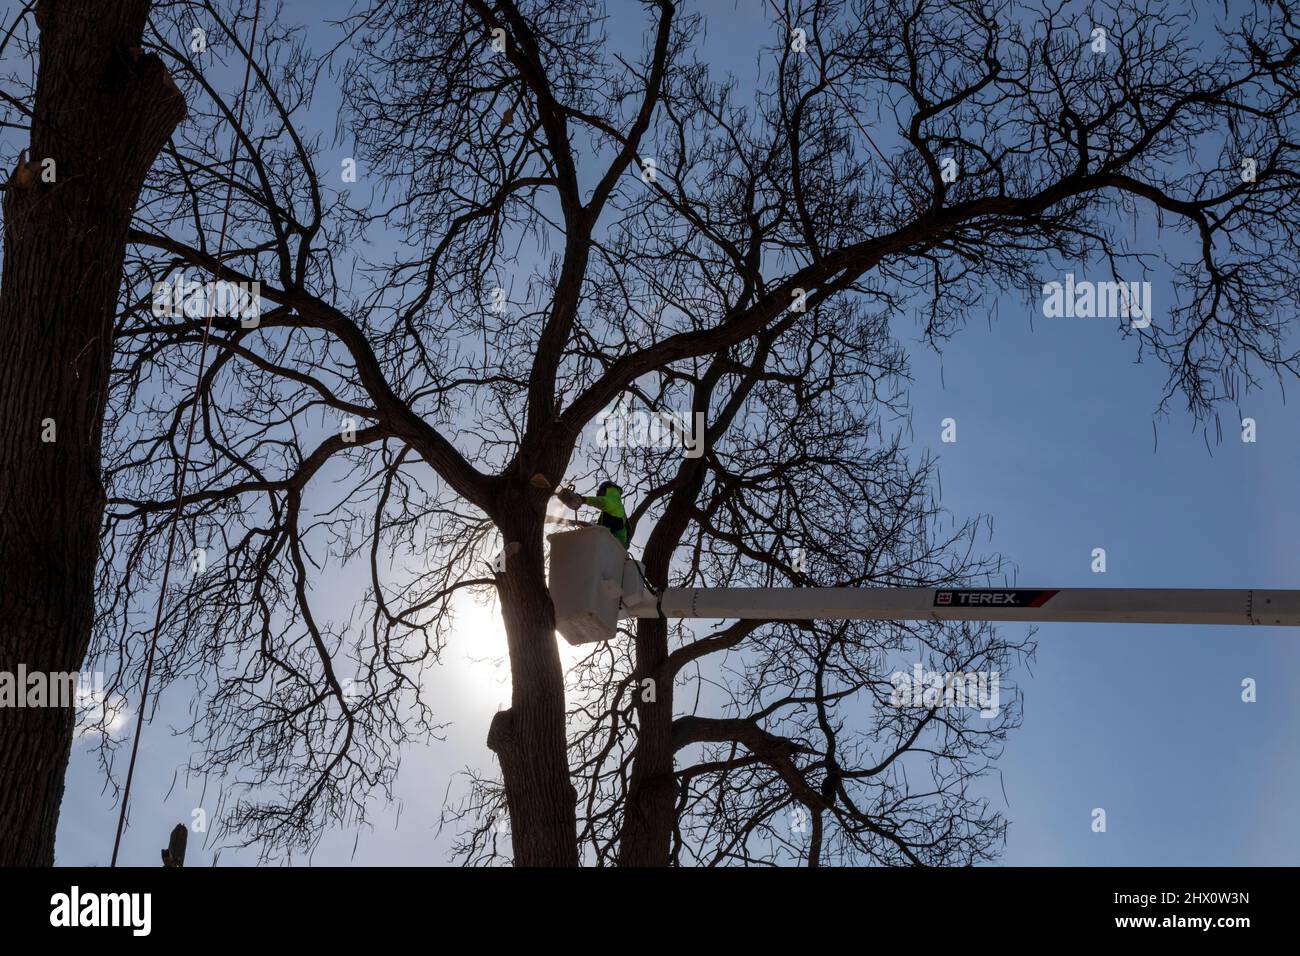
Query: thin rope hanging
point(183, 472)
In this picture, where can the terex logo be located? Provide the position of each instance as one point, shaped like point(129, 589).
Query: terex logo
point(991, 597)
point(1001, 597)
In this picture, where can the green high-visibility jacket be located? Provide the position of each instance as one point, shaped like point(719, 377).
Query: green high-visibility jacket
point(612, 515)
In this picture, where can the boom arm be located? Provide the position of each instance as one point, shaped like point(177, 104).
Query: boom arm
point(594, 583)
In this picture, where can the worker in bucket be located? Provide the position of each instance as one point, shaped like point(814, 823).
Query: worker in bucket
point(609, 500)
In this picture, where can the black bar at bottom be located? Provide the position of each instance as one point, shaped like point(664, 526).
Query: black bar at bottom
point(610, 910)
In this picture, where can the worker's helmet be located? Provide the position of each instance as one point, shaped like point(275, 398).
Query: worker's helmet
point(605, 486)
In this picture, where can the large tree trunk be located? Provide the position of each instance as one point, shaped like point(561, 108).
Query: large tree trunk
point(103, 112)
point(650, 812)
point(529, 738)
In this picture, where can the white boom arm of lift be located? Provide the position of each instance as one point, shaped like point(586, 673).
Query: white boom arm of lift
point(594, 584)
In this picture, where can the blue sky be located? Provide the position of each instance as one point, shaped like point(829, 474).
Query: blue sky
point(1056, 443)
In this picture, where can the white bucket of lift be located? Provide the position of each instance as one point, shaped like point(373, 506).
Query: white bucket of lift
point(586, 583)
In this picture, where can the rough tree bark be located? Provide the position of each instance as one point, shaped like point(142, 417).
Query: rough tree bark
point(103, 111)
point(646, 836)
point(651, 812)
point(529, 738)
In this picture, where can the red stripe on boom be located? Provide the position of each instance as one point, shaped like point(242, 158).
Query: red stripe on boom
point(1044, 598)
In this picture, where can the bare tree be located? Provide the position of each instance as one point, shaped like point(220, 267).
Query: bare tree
point(579, 219)
point(97, 110)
